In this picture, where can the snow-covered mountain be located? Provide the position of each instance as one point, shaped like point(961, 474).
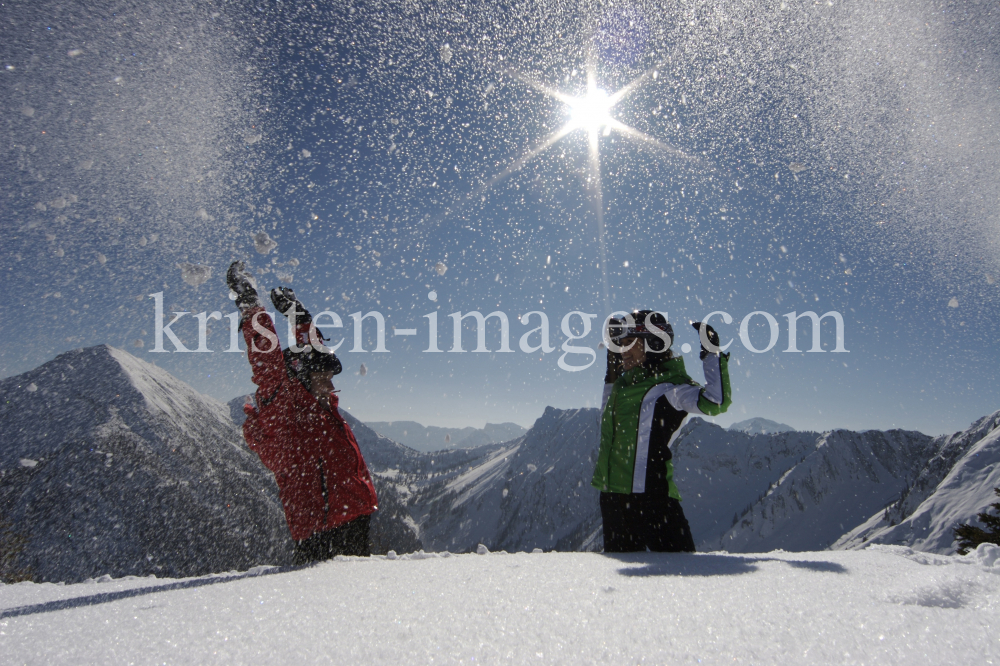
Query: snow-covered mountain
point(112, 466)
point(534, 492)
point(434, 438)
point(954, 486)
point(759, 426)
point(796, 491)
point(816, 485)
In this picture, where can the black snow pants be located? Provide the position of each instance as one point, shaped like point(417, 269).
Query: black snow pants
point(644, 521)
point(348, 539)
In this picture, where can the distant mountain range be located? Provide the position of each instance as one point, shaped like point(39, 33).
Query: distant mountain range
point(759, 426)
point(109, 465)
point(433, 438)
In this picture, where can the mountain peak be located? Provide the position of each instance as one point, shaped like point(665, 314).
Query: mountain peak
point(83, 388)
point(761, 426)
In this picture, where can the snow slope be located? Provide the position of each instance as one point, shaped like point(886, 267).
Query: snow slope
point(884, 605)
point(841, 478)
point(965, 491)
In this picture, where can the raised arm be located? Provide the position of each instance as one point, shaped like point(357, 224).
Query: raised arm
point(715, 397)
point(263, 348)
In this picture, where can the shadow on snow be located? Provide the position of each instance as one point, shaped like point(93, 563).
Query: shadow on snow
point(707, 564)
point(107, 597)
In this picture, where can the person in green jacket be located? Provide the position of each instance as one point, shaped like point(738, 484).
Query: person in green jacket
point(647, 404)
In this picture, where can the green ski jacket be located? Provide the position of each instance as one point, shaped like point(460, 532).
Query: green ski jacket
point(644, 411)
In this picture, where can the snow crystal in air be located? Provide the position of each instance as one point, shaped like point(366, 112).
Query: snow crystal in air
point(62, 253)
point(143, 241)
point(195, 274)
point(284, 277)
point(446, 54)
point(86, 164)
point(432, 295)
point(72, 53)
point(990, 279)
point(202, 214)
point(31, 387)
point(138, 342)
point(59, 203)
point(953, 303)
point(293, 262)
point(28, 111)
point(28, 462)
point(797, 167)
point(362, 370)
point(685, 348)
point(41, 207)
point(101, 259)
point(252, 139)
point(263, 243)
point(306, 153)
point(440, 268)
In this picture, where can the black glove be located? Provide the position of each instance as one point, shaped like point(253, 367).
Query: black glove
point(284, 300)
point(713, 338)
point(239, 279)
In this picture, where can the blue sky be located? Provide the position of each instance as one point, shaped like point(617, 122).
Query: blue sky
point(810, 159)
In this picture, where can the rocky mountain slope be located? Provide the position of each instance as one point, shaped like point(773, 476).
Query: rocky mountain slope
point(112, 466)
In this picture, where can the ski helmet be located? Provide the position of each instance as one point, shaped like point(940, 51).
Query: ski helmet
point(638, 325)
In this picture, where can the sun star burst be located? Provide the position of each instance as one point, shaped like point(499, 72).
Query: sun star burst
point(591, 112)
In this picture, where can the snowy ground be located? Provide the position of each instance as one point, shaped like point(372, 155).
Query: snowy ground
point(882, 605)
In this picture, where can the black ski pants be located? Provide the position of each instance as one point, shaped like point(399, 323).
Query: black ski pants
point(347, 539)
point(644, 521)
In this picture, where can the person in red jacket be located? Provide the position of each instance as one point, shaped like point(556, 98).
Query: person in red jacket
point(299, 434)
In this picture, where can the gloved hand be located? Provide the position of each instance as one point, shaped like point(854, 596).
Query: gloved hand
point(710, 334)
point(284, 300)
point(305, 334)
point(239, 279)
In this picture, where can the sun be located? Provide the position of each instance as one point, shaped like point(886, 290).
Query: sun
point(592, 111)
point(591, 114)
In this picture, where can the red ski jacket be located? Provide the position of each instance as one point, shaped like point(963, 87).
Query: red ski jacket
point(322, 478)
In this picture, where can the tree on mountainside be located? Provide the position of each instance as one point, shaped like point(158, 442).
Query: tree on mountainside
point(969, 537)
point(12, 543)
